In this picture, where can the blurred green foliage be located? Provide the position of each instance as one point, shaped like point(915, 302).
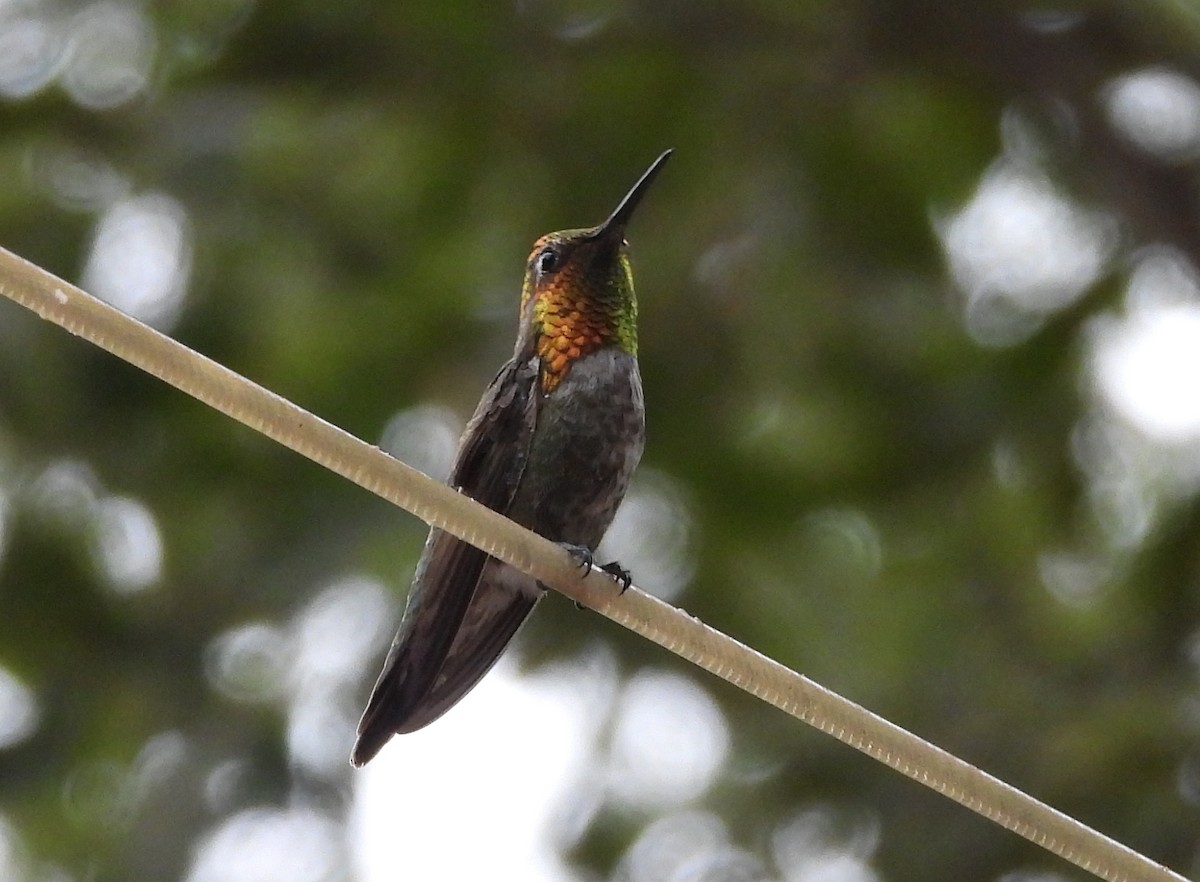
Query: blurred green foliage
point(875, 496)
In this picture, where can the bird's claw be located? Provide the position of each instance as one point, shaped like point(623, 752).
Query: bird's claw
point(619, 573)
point(583, 556)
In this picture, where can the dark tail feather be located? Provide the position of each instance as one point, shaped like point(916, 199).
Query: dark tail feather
point(431, 621)
point(370, 742)
point(494, 616)
point(480, 644)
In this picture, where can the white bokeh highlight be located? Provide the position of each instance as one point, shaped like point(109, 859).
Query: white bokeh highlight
point(425, 437)
point(687, 845)
point(127, 544)
point(271, 845)
point(331, 640)
point(477, 795)
point(824, 844)
point(19, 712)
point(669, 743)
point(1148, 368)
point(1146, 362)
point(32, 43)
point(15, 859)
point(140, 258)
point(249, 663)
point(1158, 110)
point(1138, 446)
point(1020, 249)
point(65, 494)
point(651, 536)
point(110, 55)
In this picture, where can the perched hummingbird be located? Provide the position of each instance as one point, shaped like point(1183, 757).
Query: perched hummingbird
point(552, 445)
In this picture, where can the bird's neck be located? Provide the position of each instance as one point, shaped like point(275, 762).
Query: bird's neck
point(568, 327)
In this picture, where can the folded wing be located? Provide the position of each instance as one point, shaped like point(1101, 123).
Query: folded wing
point(434, 660)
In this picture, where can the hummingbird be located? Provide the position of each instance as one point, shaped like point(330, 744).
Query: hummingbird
point(552, 445)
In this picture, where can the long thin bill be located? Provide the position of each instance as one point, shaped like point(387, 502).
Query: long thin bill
point(620, 217)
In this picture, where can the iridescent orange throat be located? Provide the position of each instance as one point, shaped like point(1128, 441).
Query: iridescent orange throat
point(568, 329)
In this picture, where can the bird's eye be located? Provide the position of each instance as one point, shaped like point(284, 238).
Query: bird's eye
point(547, 261)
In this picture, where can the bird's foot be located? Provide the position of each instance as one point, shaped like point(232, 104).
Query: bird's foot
point(585, 559)
point(581, 553)
point(619, 573)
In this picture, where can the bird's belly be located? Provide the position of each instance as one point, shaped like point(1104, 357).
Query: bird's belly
point(589, 438)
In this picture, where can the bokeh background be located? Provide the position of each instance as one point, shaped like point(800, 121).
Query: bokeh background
point(920, 336)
